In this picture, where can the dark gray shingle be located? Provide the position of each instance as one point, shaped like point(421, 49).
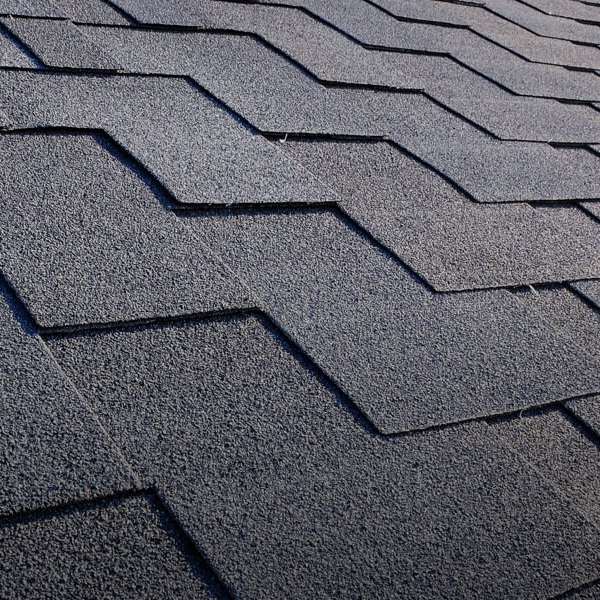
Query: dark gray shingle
point(310, 504)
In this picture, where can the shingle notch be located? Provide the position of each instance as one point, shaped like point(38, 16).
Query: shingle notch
point(454, 243)
point(84, 239)
point(408, 357)
point(289, 497)
point(185, 138)
point(121, 547)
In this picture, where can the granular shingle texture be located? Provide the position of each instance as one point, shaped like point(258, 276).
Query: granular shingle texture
point(309, 487)
point(299, 299)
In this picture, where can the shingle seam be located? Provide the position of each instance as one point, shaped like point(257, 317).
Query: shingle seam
point(580, 424)
point(583, 296)
point(551, 37)
point(48, 512)
point(274, 329)
point(562, 16)
point(27, 50)
point(582, 588)
point(558, 489)
point(376, 47)
point(24, 318)
point(119, 10)
point(286, 339)
point(331, 83)
point(191, 546)
point(473, 29)
point(182, 538)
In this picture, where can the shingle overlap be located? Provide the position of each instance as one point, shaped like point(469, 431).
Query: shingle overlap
point(299, 299)
point(309, 488)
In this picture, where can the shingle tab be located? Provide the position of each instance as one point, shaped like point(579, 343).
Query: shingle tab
point(542, 24)
point(299, 299)
point(52, 448)
point(446, 238)
point(567, 312)
point(60, 43)
point(184, 138)
point(202, 57)
point(408, 357)
point(372, 26)
point(84, 239)
point(590, 289)
point(500, 30)
point(117, 549)
point(277, 97)
point(561, 453)
point(311, 505)
point(11, 55)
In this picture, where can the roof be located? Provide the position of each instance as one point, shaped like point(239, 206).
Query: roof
point(300, 299)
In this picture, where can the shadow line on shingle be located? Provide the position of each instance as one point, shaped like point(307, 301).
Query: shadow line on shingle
point(22, 46)
point(194, 556)
point(590, 585)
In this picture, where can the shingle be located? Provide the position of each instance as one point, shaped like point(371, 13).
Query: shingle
point(586, 592)
point(91, 11)
point(408, 357)
point(542, 24)
point(528, 119)
point(329, 55)
point(11, 55)
point(587, 409)
point(592, 207)
point(449, 240)
point(118, 549)
point(84, 239)
point(274, 96)
point(511, 36)
point(60, 43)
point(567, 312)
point(590, 289)
point(372, 26)
point(52, 448)
point(571, 10)
point(185, 139)
point(336, 58)
point(30, 8)
point(561, 453)
point(579, 223)
point(310, 504)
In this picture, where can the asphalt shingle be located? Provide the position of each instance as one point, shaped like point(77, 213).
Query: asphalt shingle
point(408, 357)
point(590, 289)
point(561, 453)
point(372, 26)
point(277, 97)
point(487, 105)
point(299, 299)
point(449, 240)
point(84, 239)
point(52, 448)
point(123, 548)
point(498, 29)
point(59, 43)
point(311, 505)
point(11, 55)
point(180, 135)
point(567, 312)
point(587, 409)
point(546, 25)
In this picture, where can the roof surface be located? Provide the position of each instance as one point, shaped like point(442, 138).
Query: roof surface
point(300, 299)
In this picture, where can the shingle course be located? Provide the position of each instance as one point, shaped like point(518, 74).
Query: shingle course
point(299, 299)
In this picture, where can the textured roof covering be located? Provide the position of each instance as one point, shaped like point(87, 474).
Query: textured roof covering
point(299, 299)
